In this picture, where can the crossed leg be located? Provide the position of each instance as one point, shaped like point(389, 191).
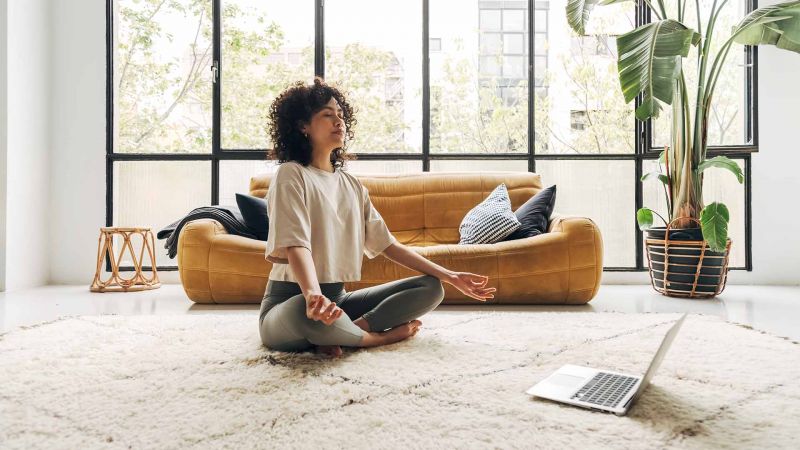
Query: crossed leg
point(369, 312)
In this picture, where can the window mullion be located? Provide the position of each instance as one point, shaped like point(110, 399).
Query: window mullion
point(426, 87)
point(642, 131)
point(216, 81)
point(319, 38)
point(531, 90)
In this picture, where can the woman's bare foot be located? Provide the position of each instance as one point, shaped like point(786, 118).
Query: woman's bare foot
point(396, 334)
point(401, 332)
point(330, 350)
point(373, 339)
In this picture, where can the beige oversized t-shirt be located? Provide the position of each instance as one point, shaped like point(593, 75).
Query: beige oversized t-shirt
point(329, 213)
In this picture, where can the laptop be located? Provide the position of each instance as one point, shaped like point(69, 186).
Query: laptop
point(601, 390)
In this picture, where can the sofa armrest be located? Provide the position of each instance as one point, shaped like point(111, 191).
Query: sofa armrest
point(194, 249)
point(218, 267)
point(585, 251)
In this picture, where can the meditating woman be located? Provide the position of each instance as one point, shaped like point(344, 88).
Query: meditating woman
point(321, 223)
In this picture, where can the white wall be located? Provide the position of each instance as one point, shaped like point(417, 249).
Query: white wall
point(776, 244)
point(77, 188)
point(78, 185)
point(26, 70)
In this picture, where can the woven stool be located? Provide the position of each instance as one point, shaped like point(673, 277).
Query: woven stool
point(105, 247)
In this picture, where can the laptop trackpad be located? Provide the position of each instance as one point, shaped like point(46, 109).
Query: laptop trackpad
point(560, 379)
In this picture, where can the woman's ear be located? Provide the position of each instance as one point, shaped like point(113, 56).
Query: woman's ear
point(303, 128)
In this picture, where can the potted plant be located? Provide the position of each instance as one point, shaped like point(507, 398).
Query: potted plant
point(689, 255)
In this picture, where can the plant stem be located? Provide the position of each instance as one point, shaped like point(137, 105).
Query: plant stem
point(663, 10)
point(682, 10)
point(699, 23)
point(662, 218)
point(666, 186)
point(650, 5)
point(716, 69)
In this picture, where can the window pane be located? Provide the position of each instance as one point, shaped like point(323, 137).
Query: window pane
point(162, 81)
point(603, 191)
point(234, 177)
point(155, 194)
point(540, 19)
point(514, 19)
point(387, 167)
point(729, 119)
point(490, 66)
point(490, 19)
point(512, 44)
point(718, 186)
point(579, 78)
point(540, 43)
point(491, 43)
point(266, 45)
point(363, 56)
point(479, 90)
point(514, 66)
point(471, 165)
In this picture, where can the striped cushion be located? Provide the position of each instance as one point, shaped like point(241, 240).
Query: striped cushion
point(490, 221)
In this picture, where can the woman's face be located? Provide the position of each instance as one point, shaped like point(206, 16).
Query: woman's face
point(326, 129)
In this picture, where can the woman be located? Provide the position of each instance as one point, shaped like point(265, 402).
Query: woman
point(321, 223)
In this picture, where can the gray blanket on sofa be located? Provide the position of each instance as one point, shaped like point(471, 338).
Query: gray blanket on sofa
point(229, 216)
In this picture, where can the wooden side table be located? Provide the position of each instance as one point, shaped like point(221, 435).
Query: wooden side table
point(105, 247)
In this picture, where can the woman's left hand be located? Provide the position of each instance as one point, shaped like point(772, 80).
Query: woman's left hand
point(472, 285)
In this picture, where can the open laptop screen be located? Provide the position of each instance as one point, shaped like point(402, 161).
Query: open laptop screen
point(656, 362)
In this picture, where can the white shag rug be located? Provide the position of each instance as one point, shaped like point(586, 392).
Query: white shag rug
point(205, 381)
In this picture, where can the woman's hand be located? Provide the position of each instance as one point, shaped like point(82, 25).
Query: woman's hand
point(472, 285)
point(319, 307)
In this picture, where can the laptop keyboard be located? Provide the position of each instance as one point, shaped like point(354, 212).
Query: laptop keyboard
point(605, 389)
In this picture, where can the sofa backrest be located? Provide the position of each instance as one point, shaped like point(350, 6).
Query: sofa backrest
point(423, 209)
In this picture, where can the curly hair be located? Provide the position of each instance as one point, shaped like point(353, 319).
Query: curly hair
point(296, 105)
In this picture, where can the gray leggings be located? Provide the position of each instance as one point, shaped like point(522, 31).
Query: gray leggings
point(283, 324)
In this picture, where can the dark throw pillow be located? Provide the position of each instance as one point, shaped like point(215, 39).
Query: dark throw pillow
point(254, 212)
point(490, 221)
point(535, 214)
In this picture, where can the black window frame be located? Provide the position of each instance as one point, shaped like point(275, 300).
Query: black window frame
point(644, 149)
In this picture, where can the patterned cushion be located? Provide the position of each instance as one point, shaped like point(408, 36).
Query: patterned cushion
point(490, 221)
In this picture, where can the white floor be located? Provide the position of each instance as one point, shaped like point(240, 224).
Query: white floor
point(773, 309)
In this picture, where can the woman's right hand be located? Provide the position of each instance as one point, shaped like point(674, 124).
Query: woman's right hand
point(319, 307)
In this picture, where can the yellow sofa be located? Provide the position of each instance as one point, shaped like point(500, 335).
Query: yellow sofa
point(423, 211)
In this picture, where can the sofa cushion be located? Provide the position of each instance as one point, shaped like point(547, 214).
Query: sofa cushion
point(490, 221)
point(254, 213)
point(534, 215)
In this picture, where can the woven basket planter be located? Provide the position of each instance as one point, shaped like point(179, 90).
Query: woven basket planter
point(685, 267)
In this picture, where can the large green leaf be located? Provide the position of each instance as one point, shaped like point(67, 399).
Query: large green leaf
point(777, 25)
point(722, 162)
point(578, 14)
point(714, 223)
point(649, 62)
point(644, 216)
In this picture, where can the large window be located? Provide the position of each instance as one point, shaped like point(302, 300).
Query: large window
point(439, 85)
